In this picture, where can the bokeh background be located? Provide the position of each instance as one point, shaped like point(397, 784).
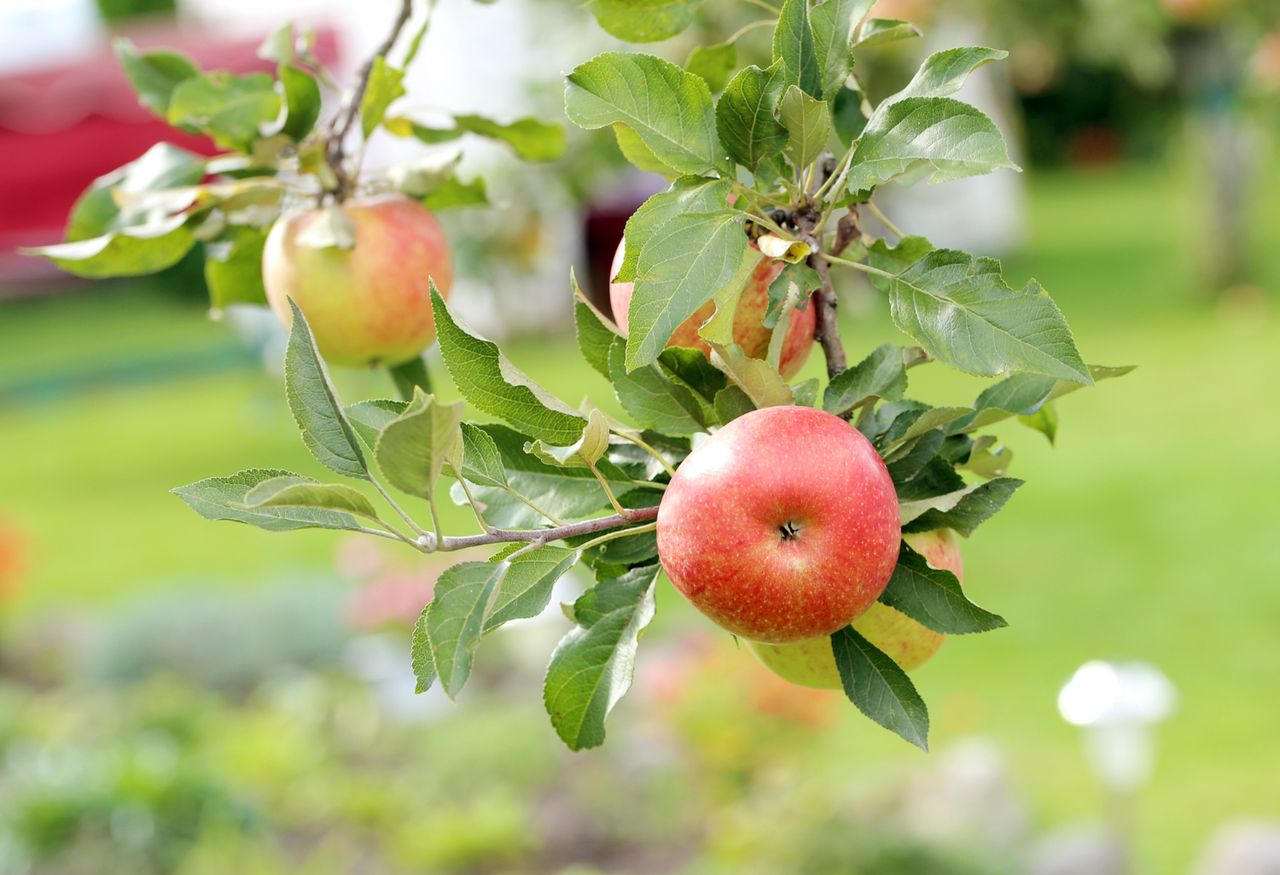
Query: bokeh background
point(184, 697)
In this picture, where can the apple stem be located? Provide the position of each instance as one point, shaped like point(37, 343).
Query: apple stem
point(340, 126)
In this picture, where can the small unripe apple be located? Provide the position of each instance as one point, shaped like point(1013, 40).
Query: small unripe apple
point(749, 331)
point(368, 304)
point(782, 526)
point(812, 664)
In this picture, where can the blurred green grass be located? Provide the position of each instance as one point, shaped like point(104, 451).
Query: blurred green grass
point(1147, 533)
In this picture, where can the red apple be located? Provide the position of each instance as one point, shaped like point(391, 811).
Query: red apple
point(368, 304)
point(812, 664)
point(781, 526)
point(748, 320)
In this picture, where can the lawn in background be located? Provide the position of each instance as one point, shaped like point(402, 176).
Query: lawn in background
point(1147, 533)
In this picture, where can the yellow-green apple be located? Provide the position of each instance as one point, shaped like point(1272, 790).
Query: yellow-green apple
point(812, 664)
point(749, 331)
point(782, 526)
point(369, 303)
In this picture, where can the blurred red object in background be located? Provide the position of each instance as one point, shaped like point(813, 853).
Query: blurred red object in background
point(63, 126)
point(12, 559)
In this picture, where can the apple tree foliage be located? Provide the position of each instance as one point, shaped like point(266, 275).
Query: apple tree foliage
point(788, 157)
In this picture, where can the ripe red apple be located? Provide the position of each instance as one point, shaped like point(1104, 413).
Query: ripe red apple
point(781, 526)
point(748, 320)
point(812, 664)
point(368, 304)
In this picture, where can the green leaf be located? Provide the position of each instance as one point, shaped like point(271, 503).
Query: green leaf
point(526, 587)
point(453, 192)
point(932, 597)
point(962, 312)
point(794, 46)
point(906, 462)
point(424, 667)
point(410, 376)
point(590, 446)
point(684, 264)
point(806, 393)
point(455, 619)
point(132, 251)
point(107, 204)
point(153, 75)
point(386, 85)
point(691, 369)
point(532, 139)
point(413, 449)
point(233, 267)
point(880, 689)
point(757, 378)
point(688, 194)
point(568, 493)
point(490, 382)
point(883, 31)
point(638, 154)
point(592, 667)
point(928, 420)
point(223, 498)
point(944, 73)
point(715, 64)
point(669, 109)
point(301, 101)
point(897, 259)
point(882, 374)
point(1045, 420)
point(302, 492)
point(481, 461)
point(325, 429)
point(808, 124)
point(369, 418)
point(643, 21)
point(232, 109)
point(939, 138)
point(731, 402)
point(800, 275)
point(1024, 395)
point(746, 115)
point(937, 478)
point(278, 46)
point(963, 510)
point(653, 400)
point(595, 337)
point(989, 459)
point(833, 23)
point(849, 112)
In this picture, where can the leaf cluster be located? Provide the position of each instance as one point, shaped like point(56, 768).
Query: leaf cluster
point(776, 162)
point(280, 152)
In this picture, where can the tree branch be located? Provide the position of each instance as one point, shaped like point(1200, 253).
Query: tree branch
point(546, 536)
point(826, 329)
point(340, 126)
point(847, 231)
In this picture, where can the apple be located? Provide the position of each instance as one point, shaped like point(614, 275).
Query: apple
point(368, 304)
point(812, 664)
point(782, 526)
point(749, 331)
